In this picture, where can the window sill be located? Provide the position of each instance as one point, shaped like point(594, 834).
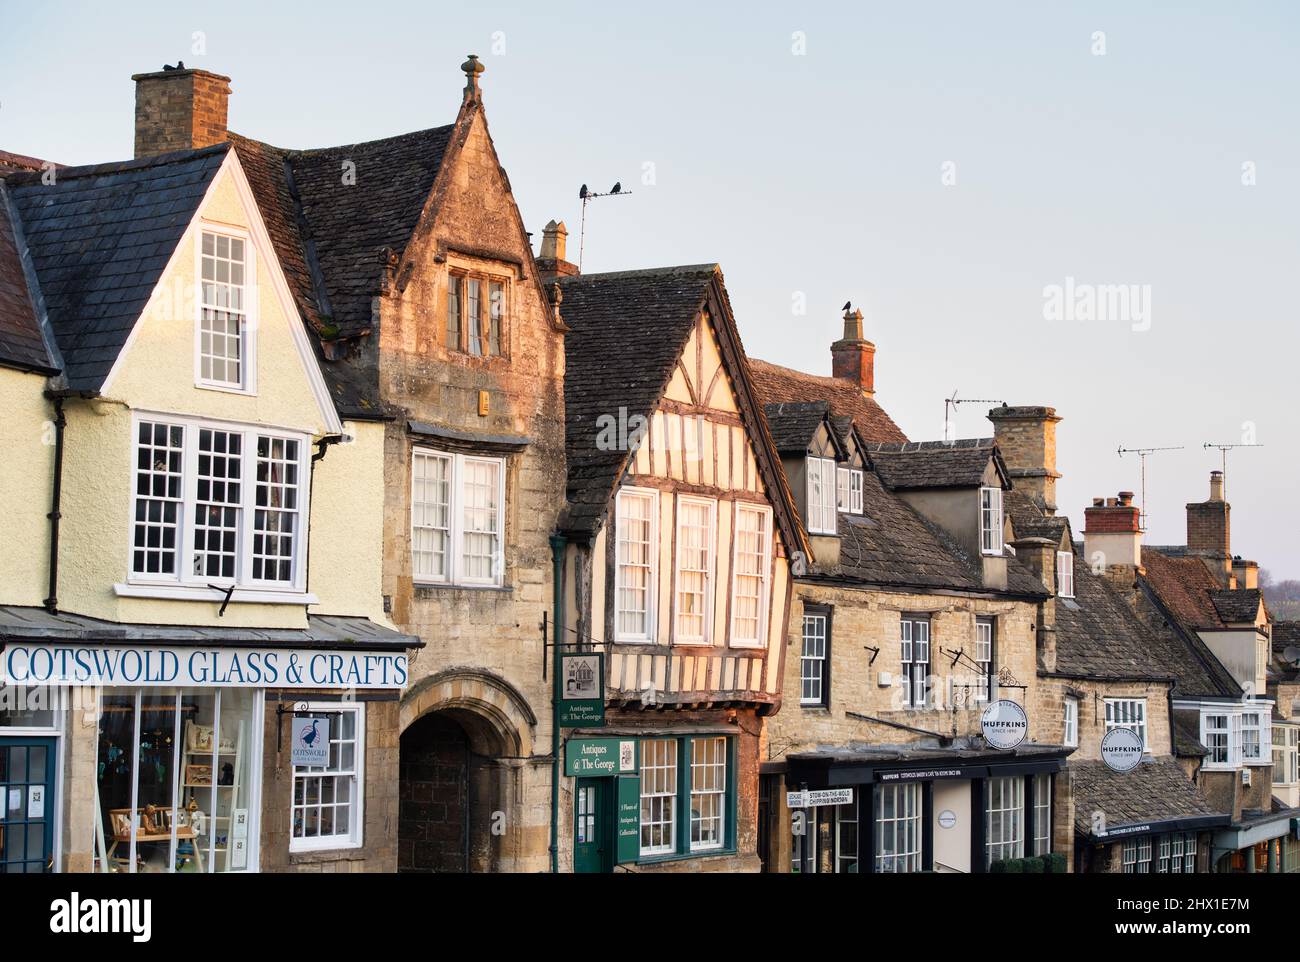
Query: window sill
point(680, 856)
point(254, 596)
point(434, 586)
point(818, 708)
point(332, 852)
point(225, 389)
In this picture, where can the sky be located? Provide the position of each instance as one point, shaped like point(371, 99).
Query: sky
point(969, 175)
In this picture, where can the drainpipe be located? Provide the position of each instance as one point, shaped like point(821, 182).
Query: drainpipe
point(557, 562)
point(56, 499)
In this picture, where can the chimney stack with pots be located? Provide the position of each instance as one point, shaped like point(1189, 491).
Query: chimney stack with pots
point(1112, 539)
point(1026, 439)
point(1209, 531)
point(178, 108)
point(853, 357)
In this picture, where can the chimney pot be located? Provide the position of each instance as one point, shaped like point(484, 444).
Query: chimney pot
point(1126, 498)
point(853, 358)
point(550, 261)
point(1113, 529)
point(1216, 485)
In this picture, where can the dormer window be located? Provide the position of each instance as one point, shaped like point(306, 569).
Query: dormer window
point(848, 490)
point(476, 311)
point(821, 496)
point(991, 521)
point(1065, 574)
point(224, 342)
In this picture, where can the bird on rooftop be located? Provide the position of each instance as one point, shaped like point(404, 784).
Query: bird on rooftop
point(847, 305)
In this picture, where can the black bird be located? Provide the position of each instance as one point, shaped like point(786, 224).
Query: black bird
point(582, 192)
point(617, 187)
point(847, 305)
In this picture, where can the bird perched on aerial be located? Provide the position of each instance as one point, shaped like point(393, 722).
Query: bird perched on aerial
point(847, 305)
point(618, 185)
point(582, 192)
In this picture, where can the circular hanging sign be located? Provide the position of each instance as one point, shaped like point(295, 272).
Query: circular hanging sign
point(1121, 749)
point(1005, 724)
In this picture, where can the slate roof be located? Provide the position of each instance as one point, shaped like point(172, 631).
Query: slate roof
point(794, 425)
point(1241, 604)
point(99, 238)
point(935, 464)
point(1028, 519)
point(1154, 792)
point(890, 544)
point(1286, 634)
point(22, 344)
point(776, 384)
point(626, 332)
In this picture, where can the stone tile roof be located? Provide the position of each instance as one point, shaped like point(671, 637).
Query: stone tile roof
point(794, 425)
point(1286, 634)
point(336, 239)
point(1184, 585)
point(99, 238)
point(626, 331)
point(1099, 636)
point(22, 344)
point(890, 544)
point(1241, 604)
point(9, 163)
point(1187, 734)
point(1156, 791)
point(778, 384)
point(935, 464)
point(1028, 519)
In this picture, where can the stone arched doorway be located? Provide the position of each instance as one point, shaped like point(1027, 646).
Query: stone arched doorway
point(466, 764)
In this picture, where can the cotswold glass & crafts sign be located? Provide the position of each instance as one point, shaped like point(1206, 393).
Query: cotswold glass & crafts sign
point(140, 666)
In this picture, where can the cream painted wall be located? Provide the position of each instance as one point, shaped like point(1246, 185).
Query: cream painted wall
point(952, 845)
point(26, 473)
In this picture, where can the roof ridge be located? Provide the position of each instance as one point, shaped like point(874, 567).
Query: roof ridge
point(705, 268)
point(23, 178)
point(316, 151)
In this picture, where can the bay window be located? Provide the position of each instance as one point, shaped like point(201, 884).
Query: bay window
point(1004, 818)
point(229, 500)
point(821, 495)
point(693, 583)
point(1251, 739)
point(636, 517)
point(898, 827)
point(1215, 737)
point(750, 566)
point(457, 518)
point(991, 521)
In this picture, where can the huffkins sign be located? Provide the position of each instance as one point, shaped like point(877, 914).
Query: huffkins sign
point(200, 667)
point(1004, 724)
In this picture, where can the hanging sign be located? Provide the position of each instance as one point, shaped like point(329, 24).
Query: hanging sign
point(818, 798)
point(628, 821)
point(595, 757)
point(1005, 724)
point(582, 690)
point(1121, 750)
point(310, 742)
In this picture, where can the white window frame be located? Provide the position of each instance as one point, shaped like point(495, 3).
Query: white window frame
point(455, 575)
point(1042, 788)
point(910, 642)
point(815, 663)
point(667, 804)
point(651, 497)
point(765, 573)
point(356, 820)
point(1262, 744)
point(1070, 735)
point(1135, 856)
point(1065, 574)
point(821, 513)
point(1134, 711)
point(710, 570)
point(899, 838)
point(715, 753)
point(991, 521)
point(1009, 841)
point(183, 584)
point(983, 645)
point(1218, 738)
point(248, 330)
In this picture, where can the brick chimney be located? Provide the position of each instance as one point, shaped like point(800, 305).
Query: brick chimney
point(179, 109)
point(1026, 438)
point(853, 357)
point(550, 262)
point(1208, 530)
point(1112, 539)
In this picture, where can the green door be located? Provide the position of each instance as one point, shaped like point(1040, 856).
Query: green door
point(593, 838)
point(26, 804)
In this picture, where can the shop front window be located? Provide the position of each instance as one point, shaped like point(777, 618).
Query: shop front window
point(898, 827)
point(1004, 818)
point(327, 798)
point(174, 780)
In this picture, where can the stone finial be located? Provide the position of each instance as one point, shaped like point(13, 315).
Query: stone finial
point(853, 325)
point(554, 240)
point(472, 70)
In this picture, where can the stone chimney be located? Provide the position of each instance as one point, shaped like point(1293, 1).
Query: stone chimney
point(1026, 438)
point(1208, 531)
point(1245, 573)
point(1112, 540)
point(1039, 556)
point(550, 262)
point(853, 357)
point(177, 108)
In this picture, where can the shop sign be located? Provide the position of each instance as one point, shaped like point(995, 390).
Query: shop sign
point(148, 667)
point(815, 799)
point(1121, 750)
point(947, 818)
point(596, 757)
point(582, 690)
point(628, 822)
point(922, 774)
point(1005, 724)
point(310, 742)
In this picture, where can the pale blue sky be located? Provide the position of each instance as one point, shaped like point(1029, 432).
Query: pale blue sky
point(821, 173)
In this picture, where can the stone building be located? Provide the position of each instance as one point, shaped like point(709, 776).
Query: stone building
point(677, 541)
point(909, 618)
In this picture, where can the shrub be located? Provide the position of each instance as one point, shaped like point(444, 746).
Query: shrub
point(1055, 864)
point(1033, 866)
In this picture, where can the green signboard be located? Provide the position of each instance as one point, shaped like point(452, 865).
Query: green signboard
point(582, 690)
point(596, 757)
point(628, 819)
